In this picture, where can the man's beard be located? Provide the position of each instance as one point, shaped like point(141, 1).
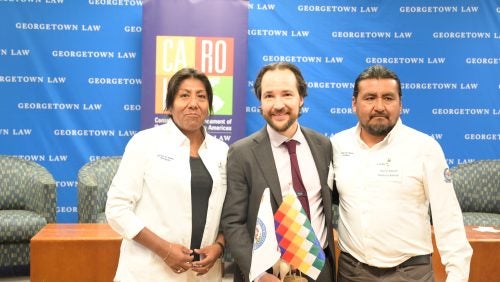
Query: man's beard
point(282, 128)
point(378, 129)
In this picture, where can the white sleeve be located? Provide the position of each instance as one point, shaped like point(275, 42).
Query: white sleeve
point(126, 190)
point(449, 230)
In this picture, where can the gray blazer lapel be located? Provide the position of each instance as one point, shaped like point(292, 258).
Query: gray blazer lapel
point(265, 161)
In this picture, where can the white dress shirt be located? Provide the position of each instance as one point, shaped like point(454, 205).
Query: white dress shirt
point(309, 175)
point(385, 192)
point(152, 188)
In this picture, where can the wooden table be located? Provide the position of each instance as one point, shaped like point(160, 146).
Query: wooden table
point(74, 252)
point(485, 263)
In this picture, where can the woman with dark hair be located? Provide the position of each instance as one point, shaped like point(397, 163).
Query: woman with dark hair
point(167, 195)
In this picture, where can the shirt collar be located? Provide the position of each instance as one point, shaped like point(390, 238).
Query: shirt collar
point(394, 132)
point(179, 138)
point(277, 139)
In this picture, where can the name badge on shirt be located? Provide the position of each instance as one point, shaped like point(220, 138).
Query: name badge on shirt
point(386, 170)
point(167, 158)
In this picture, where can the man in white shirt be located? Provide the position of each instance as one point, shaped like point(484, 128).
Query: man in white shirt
point(387, 175)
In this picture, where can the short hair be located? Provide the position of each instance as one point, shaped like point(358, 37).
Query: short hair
point(378, 72)
point(301, 83)
point(181, 75)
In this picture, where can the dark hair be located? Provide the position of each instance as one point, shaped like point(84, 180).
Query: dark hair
point(301, 83)
point(181, 75)
point(378, 72)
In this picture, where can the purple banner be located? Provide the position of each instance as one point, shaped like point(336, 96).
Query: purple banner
point(197, 34)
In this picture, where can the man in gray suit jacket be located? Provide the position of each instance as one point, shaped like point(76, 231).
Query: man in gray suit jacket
point(262, 161)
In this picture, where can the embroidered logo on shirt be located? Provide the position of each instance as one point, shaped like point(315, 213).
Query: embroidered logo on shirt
point(385, 163)
point(447, 175)
point(346, 154)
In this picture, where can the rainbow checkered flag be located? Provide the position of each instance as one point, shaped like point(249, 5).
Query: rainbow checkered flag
point(296, 239)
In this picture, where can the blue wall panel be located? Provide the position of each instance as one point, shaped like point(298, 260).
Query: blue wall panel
point(70, 73)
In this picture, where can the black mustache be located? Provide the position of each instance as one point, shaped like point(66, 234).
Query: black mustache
point(284, 111)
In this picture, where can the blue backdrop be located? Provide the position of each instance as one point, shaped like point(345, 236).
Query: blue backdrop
point(446, 53)
point(70, 73)
point(70, 79)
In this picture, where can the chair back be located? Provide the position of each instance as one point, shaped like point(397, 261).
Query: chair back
point(16, 177)
point(477, 185)
point(13, 177)
point(94, 179)
point(27, 185)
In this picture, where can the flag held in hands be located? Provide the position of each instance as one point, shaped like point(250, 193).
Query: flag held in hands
point(297, 241)
point(265, 251)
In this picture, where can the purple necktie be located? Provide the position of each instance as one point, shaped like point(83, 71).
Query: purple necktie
point(298, 185)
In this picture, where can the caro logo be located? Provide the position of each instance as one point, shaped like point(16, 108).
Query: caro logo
point(212, 55)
